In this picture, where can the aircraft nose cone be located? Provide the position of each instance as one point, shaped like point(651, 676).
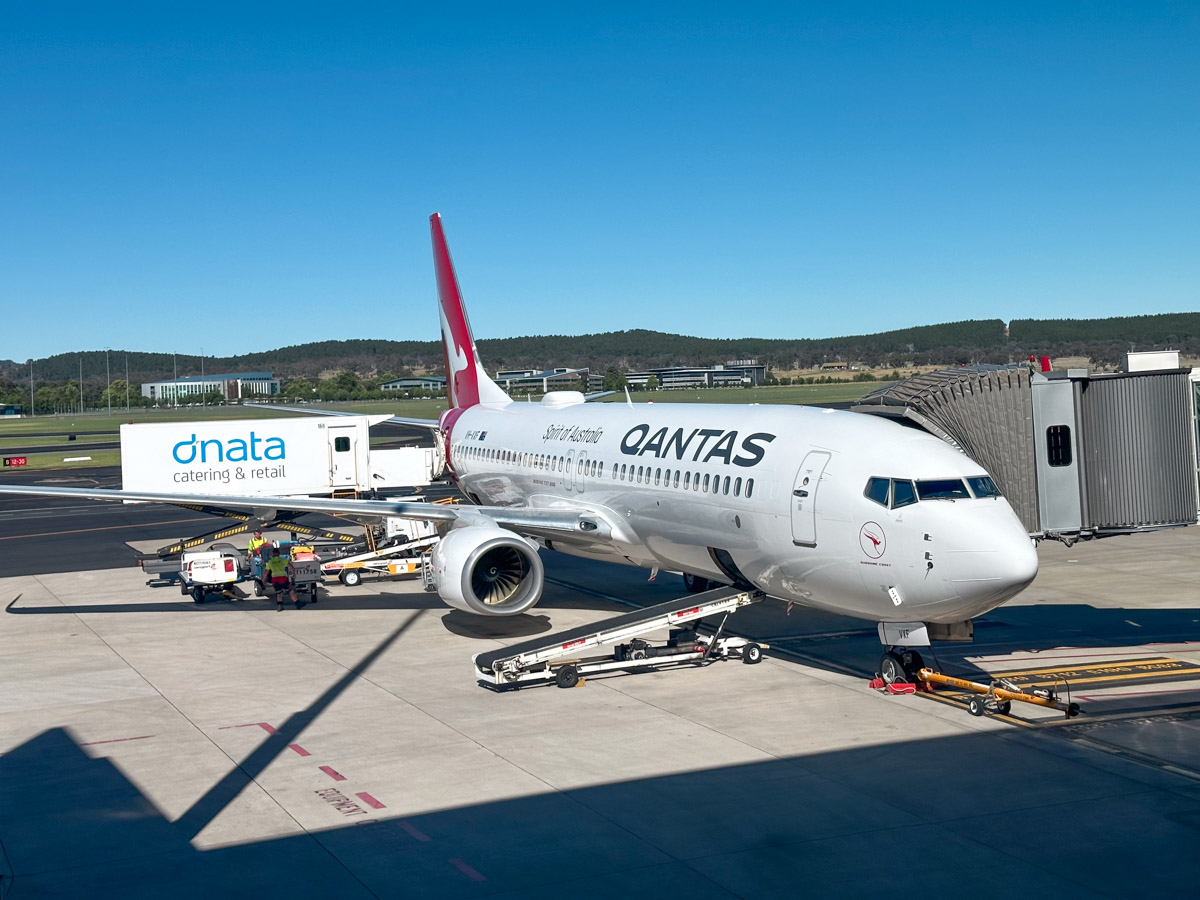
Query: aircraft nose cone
point(992, 563)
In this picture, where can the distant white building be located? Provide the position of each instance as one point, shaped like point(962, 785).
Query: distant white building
point(418, 382)
point(232, 386)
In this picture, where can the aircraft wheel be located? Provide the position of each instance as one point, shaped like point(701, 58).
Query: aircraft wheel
point(198, 594)
point(694, 583)
point(566, 677)
point(913, 663)
point(891, 669)
point(351, 577)
point(976, 706)
point(752, 654)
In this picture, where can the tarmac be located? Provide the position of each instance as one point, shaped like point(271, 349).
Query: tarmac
point(153, 746)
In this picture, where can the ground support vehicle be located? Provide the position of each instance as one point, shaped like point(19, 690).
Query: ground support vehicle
point(306, 567)
point(557, 657)
point(402, 552)
point(215, 570)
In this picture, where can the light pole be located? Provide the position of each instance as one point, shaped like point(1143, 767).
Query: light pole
point(107, 381)
point(81, 385)
point(31, 387)
point(204, 400)
point(126, 381)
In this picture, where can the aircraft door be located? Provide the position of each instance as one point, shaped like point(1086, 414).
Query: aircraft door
point(569, 471)
point(581, 469)
point(343, 464)
point(804, 498)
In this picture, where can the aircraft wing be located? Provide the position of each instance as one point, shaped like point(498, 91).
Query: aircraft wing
point(558, 522)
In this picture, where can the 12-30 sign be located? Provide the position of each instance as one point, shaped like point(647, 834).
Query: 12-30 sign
point(15, 461)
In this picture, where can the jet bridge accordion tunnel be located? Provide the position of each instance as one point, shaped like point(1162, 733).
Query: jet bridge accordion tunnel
point(1077, 454)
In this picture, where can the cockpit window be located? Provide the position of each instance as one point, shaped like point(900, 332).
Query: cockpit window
point(903, 494)
point(983, 487)
point(942, 489)
point(877, 490)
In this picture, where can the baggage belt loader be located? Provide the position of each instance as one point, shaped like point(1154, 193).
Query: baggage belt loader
point(556, 657)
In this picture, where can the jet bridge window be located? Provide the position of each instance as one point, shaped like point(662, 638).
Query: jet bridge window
point(983, 487)
point(1058, 445)
point(877, 490)
point(942, 489)
point(341, 444)
point(903, 494)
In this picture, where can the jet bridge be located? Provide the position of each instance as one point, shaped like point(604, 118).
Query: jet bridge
point(1076, 453)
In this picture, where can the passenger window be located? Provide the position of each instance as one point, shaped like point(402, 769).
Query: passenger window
point(1058, 445)
point(341, 444)
point(687, 481)
point(983, 487)
point(639, 475)
point(676, 478)
point(903, 494)
point(877, 490)
point(726, 490)
point(749, 487)
point(622, 471)
point(737, 487)
point(657, 475)
point(705, 488)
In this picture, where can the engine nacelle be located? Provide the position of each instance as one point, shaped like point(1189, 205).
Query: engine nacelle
point(487, 570)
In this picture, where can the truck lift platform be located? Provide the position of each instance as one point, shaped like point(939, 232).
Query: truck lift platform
point(556, 657)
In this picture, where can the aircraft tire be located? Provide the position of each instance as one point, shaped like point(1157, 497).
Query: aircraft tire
point(694, 583)
point(891, 668)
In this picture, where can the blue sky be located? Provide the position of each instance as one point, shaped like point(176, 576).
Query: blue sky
point(242, 177)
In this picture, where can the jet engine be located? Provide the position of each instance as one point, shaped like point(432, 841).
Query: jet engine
point(487, 570)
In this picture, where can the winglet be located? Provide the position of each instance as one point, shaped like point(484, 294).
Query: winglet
point(467, 384)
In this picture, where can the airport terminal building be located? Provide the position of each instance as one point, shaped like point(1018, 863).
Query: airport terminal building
point(232, 386)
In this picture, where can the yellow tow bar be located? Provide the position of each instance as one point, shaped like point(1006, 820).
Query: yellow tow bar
point(998, 696)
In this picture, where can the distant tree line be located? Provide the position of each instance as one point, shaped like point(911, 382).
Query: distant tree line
point(360, 366)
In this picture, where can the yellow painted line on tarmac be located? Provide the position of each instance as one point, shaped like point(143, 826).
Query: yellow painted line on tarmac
point(1127, 676)
point(1088, 667)
point(17, 537)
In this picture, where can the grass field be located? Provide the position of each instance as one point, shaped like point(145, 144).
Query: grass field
point(14, 433)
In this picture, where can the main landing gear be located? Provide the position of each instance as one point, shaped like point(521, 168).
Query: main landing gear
point(900, 665)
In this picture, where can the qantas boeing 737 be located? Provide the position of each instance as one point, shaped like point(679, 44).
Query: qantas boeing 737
point(829, 509)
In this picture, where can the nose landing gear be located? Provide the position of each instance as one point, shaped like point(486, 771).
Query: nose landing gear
point(900, 665)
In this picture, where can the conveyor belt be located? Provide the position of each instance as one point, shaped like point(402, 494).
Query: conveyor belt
point(489, 658)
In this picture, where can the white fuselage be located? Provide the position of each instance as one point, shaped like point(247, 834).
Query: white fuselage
point(774, 495)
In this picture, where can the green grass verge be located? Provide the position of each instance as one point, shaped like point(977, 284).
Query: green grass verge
point(55, 460)
point(10, 432)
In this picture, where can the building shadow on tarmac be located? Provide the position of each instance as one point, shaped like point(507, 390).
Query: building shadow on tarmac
point(977, 816)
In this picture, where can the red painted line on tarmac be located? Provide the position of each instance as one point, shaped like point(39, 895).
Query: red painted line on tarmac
point(140, 737)
point(263, 725)
point(299, 749)
point(466, 870)
point(369, 800)
point(333, 773)
point(414, 831)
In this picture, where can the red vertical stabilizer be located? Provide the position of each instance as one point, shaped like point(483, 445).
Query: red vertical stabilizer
point(466, 382)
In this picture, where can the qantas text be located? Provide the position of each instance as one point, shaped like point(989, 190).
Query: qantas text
point(667, 444)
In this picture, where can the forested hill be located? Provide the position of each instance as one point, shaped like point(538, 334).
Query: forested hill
point(1103, 340)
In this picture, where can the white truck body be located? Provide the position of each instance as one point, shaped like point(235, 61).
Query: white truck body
point(276, 457)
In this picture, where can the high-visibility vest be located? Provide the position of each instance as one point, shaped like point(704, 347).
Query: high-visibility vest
point(255, 544)
point(276, 566)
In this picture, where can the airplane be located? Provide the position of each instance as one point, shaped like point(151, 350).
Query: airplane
point(822, 508)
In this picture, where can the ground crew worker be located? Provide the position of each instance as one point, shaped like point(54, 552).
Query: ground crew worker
point(277, 569)
point(254, 548)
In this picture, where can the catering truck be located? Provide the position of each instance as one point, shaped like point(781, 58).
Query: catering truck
point(284, 457)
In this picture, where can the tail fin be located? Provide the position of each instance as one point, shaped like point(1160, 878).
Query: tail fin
point(466, 382)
